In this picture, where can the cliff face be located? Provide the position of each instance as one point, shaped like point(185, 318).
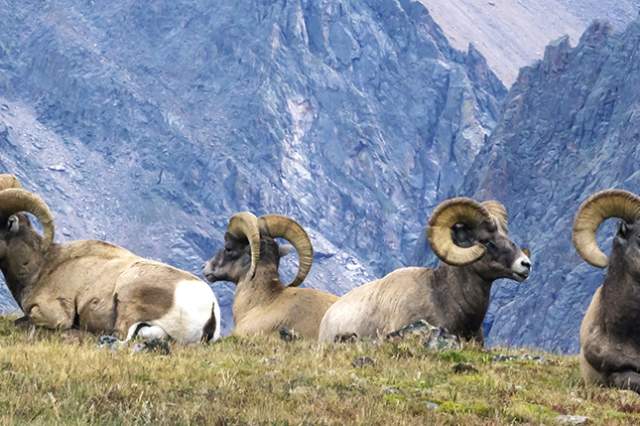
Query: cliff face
point(512, 34)
point(149, 124)
point(570, 127)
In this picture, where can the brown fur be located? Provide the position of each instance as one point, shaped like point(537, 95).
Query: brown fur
point(452, 297)
point(91, 285)
point(262, 304)
point(609, 334)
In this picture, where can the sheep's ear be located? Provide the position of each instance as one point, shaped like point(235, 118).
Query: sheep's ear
point(285, 249)
point(623, 229)
point(462, 235)
point(13, 224)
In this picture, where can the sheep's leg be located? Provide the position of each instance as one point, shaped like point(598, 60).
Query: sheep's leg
point(626, 380)
point(23, 322)
point(610, 355)
point(478, 337)
point(152, 332)
point(146, 332)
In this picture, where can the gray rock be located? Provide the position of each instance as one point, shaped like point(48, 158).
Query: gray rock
point(435, 338)
point(572, 420)
point(524, 357)
point(432, 405)
point(390, 390)
point(363, 361)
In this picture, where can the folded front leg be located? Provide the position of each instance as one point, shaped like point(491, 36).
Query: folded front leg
point(626, 380)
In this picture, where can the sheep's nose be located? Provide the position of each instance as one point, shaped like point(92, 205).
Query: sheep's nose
point(204, 265)
point(526, 264)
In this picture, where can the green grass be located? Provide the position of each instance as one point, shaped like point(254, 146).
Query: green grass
point(47, 379)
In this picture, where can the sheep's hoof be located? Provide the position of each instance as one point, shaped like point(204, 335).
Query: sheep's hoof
point(346, 338)
point(110, 342)
point(434, 338)
point(23, 322)
point(288, 335)
point(158, 346)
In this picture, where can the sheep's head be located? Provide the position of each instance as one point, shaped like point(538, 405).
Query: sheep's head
point(464, 232)
point(250, 240)
point(22, 250)
point(613, 203)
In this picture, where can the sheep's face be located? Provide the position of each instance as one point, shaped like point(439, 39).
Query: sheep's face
point(20, 248)
point(626, 248)
point(502, 259)
point(233, 262)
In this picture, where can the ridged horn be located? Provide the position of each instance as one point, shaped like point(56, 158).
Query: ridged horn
point(15, 200)
point(448, 213)
point(283, 227)
point(245, 224)
point(9, 181)
point(595, 210)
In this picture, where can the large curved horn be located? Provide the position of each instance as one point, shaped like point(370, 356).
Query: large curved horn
point(283, 227)
point(245, 224)
point(16, 200)
point(448, 213)
point(9, 181)
point(595, 210)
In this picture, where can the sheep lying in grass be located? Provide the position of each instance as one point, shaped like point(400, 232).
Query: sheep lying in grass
point(250, 259)
point(95, 286)
point(472, 241)
point(610, 331)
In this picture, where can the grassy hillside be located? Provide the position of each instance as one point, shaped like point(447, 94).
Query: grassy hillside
point(48, 379)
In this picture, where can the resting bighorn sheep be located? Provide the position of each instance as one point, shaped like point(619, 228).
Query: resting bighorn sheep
point(610, 331)
point(250, 259)
point(95, 286)
point(472, 241)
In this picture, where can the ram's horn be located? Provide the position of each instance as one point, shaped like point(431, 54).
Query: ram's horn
point(445, 216)
point(595, 210)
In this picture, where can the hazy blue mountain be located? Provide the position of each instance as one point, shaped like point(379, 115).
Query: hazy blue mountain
point(512, 34)
point(149, 123)
point(570, 127)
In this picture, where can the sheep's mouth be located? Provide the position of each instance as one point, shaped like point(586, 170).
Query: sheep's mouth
point(519, 276)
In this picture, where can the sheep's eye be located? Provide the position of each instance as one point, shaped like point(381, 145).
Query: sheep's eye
point(490, 245)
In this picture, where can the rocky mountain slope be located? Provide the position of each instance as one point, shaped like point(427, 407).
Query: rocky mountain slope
point(570, 127)
point(512, 34)
point(149, 124)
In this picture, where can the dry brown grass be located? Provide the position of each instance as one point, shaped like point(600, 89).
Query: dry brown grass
point(46, 379)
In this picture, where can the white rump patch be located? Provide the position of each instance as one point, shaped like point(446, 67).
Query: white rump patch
point(193, 304)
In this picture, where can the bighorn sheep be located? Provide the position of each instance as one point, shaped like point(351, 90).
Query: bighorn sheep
point(472, 241)
point(95, 286)
point(250, 259)
point(610, 331)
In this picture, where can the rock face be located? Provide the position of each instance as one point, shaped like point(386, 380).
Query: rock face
point(570, 127)
point(149, 123)
point(512, 34)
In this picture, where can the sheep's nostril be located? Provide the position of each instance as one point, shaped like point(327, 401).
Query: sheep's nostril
point(525, 264)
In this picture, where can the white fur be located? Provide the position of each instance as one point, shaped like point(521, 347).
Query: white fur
point(192, 306)
point(152, 333)
point(518, 266)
